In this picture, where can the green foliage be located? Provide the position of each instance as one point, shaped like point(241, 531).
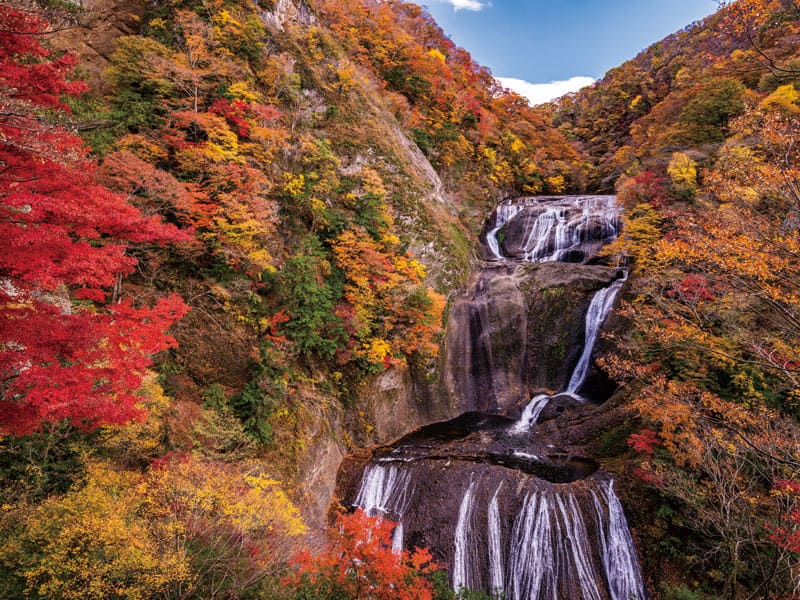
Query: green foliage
point(772, 80)
point(35, 466)
point(214, 397)
point(705, 118)
point(220, 435)
point(309, 291)
point(139, 93)
point(443, 591)
point(254, 406)
point(679, 592)
point(613, 442)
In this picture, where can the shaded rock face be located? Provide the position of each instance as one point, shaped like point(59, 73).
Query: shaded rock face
point(519, 329)
point(509, 499)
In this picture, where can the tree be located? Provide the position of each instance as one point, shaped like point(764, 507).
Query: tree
point(713, 355)
point(187, 528)
point(358, 563)
point(232, 525)
point(66, 354)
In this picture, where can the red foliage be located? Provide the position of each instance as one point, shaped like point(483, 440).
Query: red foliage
point(359, 563)
point(237, 113)
point(644, 441)
point(788, 537)
point(273, 327)
point(693, 289)
point(648, 477)
point(62, 232)
point(644, 187)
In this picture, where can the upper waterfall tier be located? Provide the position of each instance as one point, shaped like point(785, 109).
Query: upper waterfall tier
point(551, 228)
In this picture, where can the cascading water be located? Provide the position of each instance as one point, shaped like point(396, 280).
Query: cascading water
point(504, 213)
point(386, 491)
point(532, 521)
point(598, 311)
point(531, 413)
point(553, 228)
point(619, 557)
point(465, 554)
point(495, 547)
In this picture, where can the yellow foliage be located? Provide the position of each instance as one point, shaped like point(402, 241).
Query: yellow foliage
point(241, 90)
point(142, 148)
point(295, 184)
point(144, 440)
point(94, 544)
point(373, 183)
point(186, 524)
point(640, 237)
point(682, 171)
point(556, 184)
point(437, 54)
point(377, 350)
point(784, 99)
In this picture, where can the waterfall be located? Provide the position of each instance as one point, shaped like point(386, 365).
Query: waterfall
point(539, 235)
point(601, 305)
point(576, 552)
point(533, 520)
point(620, 564)
point(397, 538)
point(495, 547)
point(551, 558)
point(531, 562)
point(531, 413)
point(551, 228)
point(598, 311)
point(386, 491)
point(503, 214)
point(465, 553)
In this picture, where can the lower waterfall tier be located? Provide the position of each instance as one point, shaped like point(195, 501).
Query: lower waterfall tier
point(511, 534)
point(506, 510)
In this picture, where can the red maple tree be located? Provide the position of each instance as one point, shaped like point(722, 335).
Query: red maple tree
point(65, 353)
point(359, 562)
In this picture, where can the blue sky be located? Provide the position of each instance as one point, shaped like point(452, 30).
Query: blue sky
point(540, 41)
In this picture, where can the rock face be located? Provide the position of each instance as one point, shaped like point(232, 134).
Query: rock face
point(102, 22)
point(518, 330)
point(507, 508)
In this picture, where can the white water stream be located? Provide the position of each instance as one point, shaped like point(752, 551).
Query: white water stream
point(495, 546)
point(598, 311)
point(386, 491)
point(464, 552)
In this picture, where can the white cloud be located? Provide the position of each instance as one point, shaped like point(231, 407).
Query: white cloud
point(466, 4)
point(539, 93)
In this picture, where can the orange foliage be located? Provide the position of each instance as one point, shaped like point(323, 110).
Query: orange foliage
point(359, 564)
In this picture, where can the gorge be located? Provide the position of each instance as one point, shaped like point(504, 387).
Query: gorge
point(502, 494)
